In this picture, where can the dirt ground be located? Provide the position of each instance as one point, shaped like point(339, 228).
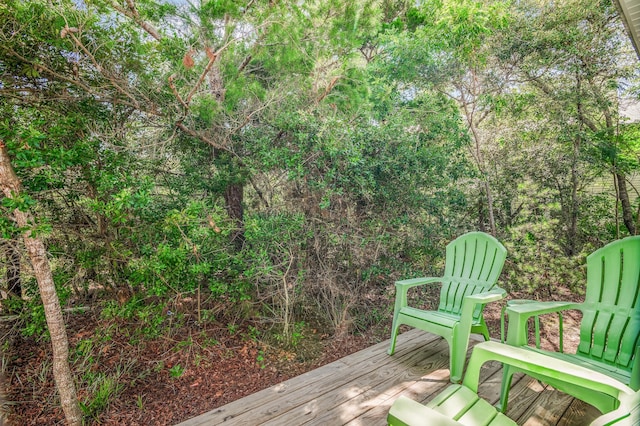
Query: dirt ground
point(129, 381)
point(160, 381)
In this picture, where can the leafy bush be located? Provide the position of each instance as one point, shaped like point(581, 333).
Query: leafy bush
point(275, 259)
point(537, 263)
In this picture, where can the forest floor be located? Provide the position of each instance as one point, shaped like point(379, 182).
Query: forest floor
point(128, 380)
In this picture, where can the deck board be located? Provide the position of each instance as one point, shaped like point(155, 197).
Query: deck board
point(360, 388)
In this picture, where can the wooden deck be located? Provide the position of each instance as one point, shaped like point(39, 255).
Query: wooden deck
point(360, 388)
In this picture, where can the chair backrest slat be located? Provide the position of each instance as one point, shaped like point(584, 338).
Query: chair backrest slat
point(630, 341)
point(610, 327)
point(473, 264)
point(618, 322)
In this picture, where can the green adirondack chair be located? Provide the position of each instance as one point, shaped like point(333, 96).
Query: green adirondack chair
point(609, 330)
point(472, 267)
point(459, 404)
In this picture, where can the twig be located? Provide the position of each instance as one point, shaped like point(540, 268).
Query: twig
point(173, 88)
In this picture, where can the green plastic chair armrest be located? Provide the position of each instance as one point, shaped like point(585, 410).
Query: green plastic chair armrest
point(618, 417)
point(627, 414)
point(541, 365)
point(492, 295)
point(413, 282)
point(403, 286)
point(540, 308)
point(469, 303)
point(635, 371)
point(519, 314)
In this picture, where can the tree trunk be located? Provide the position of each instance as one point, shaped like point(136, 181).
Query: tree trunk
point(12, 253)
point(623, 196)
point(101, 219)
point(234, 198)
point(492, 220)
point(481, 218)
point(572, 230)
point(11, 187)
point(477, 155)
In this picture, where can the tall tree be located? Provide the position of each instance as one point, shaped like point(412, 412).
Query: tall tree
point(239, 61)
point(450, 51)
point(575, 54)
point(12, 190)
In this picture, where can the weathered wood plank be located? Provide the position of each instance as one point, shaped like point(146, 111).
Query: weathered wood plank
point(352, 381)
point(523, 395)
point(341, 404)
point(422, 390)
point(427, 387)
point(578, 413)
point(547, 409)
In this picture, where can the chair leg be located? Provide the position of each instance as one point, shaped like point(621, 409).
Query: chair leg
point(482, 329)
point(457, 359)
point(394, 334)
point(507, 375)
point(459, 345)
point(485, 334)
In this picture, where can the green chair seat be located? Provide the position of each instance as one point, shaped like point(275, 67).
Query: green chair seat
point(619, 374)
point(444, 319)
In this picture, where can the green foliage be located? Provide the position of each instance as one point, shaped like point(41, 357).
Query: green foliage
point(538, 264)
point(176, 371)
point(275, 241)
point(32, 313)
point(103, 389)
point(152, 318)
point(190, 254)
point(22, 202)
point(35, 321)
point(339, 123)
point(213, 9)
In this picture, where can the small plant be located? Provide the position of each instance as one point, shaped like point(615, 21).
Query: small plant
point(103, 389)
point(158, 367)
point(197, 360)
point(140, 402)
point(35, 322)
point(176, 371)
point(84, 348)
point(43, 374)
point(254, 333)
point(260, 359)
point(184, 344)
point(297, 335)
point(210, 342)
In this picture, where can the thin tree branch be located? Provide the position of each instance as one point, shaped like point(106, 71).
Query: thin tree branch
point(135, 15)
point(173, 88)
point(329, 88)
